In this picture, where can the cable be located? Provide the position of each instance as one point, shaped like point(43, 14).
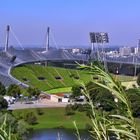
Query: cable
point(52, 37)
point(19, 43)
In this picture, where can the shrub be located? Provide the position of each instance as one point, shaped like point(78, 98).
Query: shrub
point(81, 107)
point(69, 110)
point(31, 118)
point(75, 106)
point(39, 111)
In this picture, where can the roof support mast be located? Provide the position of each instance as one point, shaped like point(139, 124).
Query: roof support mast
point(7, 38)
point(48, 39)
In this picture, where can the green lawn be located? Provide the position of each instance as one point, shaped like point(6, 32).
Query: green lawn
point(55, 117)
point(60, 90)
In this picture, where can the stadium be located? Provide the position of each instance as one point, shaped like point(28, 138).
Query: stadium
point(18, 65)
point(49, 68)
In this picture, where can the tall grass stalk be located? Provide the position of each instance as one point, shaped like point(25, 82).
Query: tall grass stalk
point(5, 131)
point(121, 126)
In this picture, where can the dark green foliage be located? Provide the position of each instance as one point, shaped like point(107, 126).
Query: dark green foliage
point(13, 90)
point(76, 91)
point(22, 130)
point(13, 127)
point(3, 103)
point(89, 113)
point(138, 79)
point(113, 67)
point(102, 98)
point(134, 97)
point(106, 100)
point(33, 92)
point(2, 89)
point(69, 110)
point(75, 107)
point(10, 121)
point(30, 118)
point(39, 111)
point(88, 127)
point(93, 90)
point(81, 108)
point(78, 107)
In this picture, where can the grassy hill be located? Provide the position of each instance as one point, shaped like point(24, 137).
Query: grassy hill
point(46, 78)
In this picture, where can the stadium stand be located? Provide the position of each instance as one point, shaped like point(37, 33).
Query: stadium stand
point(14, 57)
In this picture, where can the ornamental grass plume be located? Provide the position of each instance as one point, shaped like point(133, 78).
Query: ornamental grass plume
point(119, 126)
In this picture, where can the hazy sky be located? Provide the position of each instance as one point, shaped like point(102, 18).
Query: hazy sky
point(71, 20)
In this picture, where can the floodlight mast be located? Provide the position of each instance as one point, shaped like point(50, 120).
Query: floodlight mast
point(104, 40)
point(135, 57)
point(48, 39)
point(7, 38)
point(92, 40)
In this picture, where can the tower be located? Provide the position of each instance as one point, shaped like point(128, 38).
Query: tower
point(7, 38)
point(48, 39)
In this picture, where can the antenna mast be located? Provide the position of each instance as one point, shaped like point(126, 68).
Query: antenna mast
point(7, 38)
point(48, 39)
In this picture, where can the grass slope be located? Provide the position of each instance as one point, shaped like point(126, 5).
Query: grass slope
point(32, 72)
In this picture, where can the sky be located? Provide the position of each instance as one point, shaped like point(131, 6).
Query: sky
point(70, 21)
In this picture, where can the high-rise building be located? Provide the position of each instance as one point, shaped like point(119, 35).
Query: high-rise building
point(125, 51)
point(138, 46)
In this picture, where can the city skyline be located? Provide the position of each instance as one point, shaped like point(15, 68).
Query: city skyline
point(71, 21)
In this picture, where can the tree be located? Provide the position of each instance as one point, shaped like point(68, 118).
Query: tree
point(100, 96)
point(134, 98)
point(3, 103)
point(93, 90)
point(138, 79)
point(15, 129)
point(13, 90)
point(2, 89)
point(76, 91)
point(33, 92)
point(31, 118)
point(22, 130)
point(69, 110)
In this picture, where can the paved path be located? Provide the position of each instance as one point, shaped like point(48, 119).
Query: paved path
point(19, 105)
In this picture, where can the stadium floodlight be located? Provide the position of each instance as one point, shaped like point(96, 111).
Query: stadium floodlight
point(92, 37)
point(99, 37)
point(104, 37)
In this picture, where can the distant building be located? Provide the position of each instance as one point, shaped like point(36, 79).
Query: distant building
point(125, 51)
point(75, 50)
point(138, 47)
point(135, 50)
